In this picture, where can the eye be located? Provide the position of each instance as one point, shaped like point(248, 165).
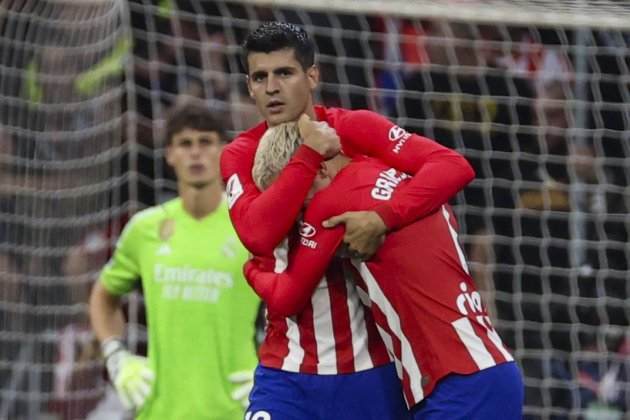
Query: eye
point(257, 77)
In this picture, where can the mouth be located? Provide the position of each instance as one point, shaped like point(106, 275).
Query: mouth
point(196, 168)
point(275, 106)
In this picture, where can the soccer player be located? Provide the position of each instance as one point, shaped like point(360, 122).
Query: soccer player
point(450, 359)
point(332, 335)
point(200, 311)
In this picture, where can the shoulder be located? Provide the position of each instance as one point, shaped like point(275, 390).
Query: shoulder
point(337, 116)
point(141, 222)
point(246, 140)
point(150, 216)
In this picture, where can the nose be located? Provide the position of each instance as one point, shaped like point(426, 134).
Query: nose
point(195, 149)
point(272, 85)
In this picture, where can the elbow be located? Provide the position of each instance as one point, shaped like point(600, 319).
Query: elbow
point(464, 170)
point(258, 246)
point(468, 173)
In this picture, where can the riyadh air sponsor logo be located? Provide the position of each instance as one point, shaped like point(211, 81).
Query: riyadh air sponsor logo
point(234, 190)
point(307, 230)
point(400, 136)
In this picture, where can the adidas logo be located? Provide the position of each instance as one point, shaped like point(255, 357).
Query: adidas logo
point(164, 249)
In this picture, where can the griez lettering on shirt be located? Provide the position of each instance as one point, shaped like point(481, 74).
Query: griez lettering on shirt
point(385, 184)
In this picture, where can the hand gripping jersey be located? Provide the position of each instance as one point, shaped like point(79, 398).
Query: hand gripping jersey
point(417, 285)
point(304, 343)
point(200, 311)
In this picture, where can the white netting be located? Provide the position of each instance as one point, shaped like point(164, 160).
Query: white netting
point(534, 93)
point(61, 174)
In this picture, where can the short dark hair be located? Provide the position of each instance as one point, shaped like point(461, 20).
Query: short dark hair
point(194, 117)
point(274, 36)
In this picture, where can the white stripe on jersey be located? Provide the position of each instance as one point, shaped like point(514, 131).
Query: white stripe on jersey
point(387, 339)
point(324, 333)
point(408, 360)
point(473, 343)
point(293, 360)
point(460, 253)
point(356, 312)
point(281, 256)
point(496, 340)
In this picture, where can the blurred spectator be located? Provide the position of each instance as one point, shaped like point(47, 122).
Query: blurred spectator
point(11, 320)
point(551, 239)
point(78, 383)
point(475, 110)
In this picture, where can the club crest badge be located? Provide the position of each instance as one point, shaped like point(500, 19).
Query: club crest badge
point(167, 229)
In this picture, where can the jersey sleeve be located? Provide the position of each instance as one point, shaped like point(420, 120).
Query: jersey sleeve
point(438, 172)
point(287, 293)
point(263, 219)
point(122, 271)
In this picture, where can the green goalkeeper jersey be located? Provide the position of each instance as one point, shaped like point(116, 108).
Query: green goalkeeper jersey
point(200, 310)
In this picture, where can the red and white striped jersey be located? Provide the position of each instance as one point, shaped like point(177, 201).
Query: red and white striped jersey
point(332, 334)
point(420, 293)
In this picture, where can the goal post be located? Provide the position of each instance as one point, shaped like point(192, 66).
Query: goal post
point(62, 181)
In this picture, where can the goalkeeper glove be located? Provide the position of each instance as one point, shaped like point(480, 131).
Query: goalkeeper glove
point(243, 382)
point(131, 374)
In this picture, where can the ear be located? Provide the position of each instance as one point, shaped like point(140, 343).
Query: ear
point(249, 87)
point(313, 76)
point(169, 155)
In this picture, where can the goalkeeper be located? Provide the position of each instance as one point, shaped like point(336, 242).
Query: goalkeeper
point(200, 312)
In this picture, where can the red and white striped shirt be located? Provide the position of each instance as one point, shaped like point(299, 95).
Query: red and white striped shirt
point(418, 286)
point(333, 333)
point(262, 219)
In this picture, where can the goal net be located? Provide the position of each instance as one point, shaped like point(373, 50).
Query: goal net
point(534, 93)
point(61, 188)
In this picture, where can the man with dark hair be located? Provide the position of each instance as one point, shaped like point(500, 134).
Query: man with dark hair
point(200, 312)
point(332, 335)
point(193, 116)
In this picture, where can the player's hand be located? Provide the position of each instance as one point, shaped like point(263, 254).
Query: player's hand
point(243, 383)
point(131, 374)
point(365, 232)
point(319, 136)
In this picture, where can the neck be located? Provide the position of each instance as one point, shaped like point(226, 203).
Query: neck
point(200, 202)
point(310, 111)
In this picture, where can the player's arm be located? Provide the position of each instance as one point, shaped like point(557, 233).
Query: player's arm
point(438, 172)
point(287, 293)
point(106, 313)
point(130, 374)
point(118, 277)
point(263, 219)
